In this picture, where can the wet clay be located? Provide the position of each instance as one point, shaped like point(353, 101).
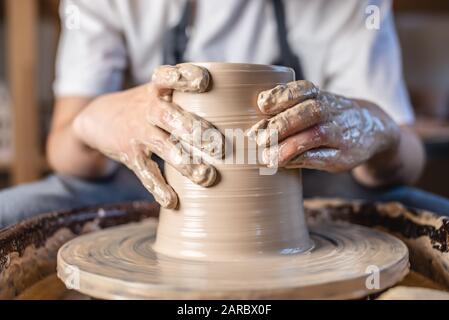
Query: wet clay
point(284, 96)
point(183, 77)
point(244, 237)
point(246, 214)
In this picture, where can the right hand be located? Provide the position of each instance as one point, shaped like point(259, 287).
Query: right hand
point(131, 125)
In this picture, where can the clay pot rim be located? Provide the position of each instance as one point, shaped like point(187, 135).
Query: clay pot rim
point(242, 67)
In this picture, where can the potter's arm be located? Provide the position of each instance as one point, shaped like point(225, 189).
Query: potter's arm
point(324, 131)
point(66, 154)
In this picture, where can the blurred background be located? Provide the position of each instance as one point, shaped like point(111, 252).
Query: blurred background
point(29, 32)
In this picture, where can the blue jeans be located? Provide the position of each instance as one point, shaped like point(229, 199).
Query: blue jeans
point(62, 193)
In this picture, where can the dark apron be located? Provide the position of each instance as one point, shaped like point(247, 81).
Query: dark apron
point(177, 38)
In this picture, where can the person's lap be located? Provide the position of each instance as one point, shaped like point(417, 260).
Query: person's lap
point(57, 193)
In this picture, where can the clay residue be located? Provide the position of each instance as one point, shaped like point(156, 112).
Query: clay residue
point(149, 174)
point(26, 269)
point(392, 216)
point(330, 133)
point(284, 96)
point(23, 270)
point(147, 170)
point(183, 77)
point(426, 234)
point(289, 122)
point(187, 127)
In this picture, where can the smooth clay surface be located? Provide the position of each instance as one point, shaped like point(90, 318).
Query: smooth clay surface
point(246, 214)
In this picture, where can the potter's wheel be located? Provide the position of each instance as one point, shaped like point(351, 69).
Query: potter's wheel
point(251, 215)
point(120, 263)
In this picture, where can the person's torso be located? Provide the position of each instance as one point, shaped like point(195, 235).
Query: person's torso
point(231, 31)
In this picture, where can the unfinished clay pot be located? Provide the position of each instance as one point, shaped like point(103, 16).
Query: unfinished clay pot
point(244, 238)
point(248, 213)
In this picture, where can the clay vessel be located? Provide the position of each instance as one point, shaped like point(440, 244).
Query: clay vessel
point(246, 214)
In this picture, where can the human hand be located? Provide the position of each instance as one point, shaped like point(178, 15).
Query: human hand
point(320, 130)
point(131, 125)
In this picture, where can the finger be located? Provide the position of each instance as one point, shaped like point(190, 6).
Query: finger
point(187, 127)
point(302, 116)
point(325, 159)
point(151, 177)
point(175, 154)
point(194, 168)
point(312, 138)
point(258, 129)
point(284, 96)
point(182, 77)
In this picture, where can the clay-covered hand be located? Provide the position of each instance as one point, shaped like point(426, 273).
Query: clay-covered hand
point(131, 125)
point(320, 130)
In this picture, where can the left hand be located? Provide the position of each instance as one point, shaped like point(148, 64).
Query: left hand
point(321, 130)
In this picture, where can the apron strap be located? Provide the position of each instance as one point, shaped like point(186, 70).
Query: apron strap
point(288, 58)
point(177, 38)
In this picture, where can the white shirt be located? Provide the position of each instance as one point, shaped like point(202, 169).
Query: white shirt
point(101, 39)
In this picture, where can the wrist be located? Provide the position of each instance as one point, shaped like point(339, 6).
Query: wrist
point(401, 163)
point(384, 165)
point(382, 169)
